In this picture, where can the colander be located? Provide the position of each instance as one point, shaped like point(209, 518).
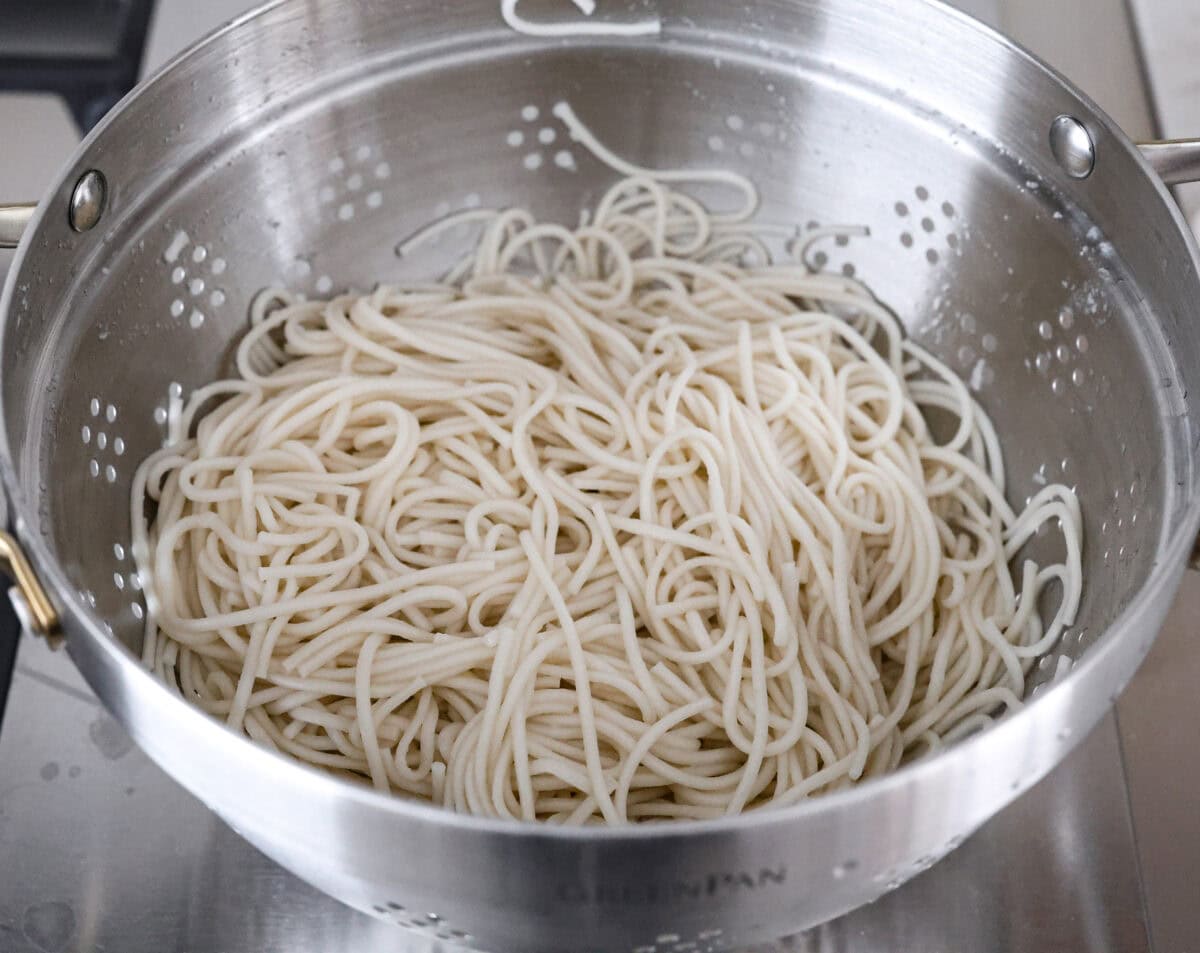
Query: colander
point(1016, 231)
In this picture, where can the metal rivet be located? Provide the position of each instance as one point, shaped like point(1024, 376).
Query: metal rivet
point(1072, 146)
point(87, 201)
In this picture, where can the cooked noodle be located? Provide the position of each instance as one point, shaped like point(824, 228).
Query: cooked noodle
point(508, 10)
point(624, 522)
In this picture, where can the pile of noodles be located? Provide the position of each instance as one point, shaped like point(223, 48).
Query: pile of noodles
point(618, 522)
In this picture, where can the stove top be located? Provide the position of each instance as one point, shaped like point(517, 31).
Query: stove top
point(102, 852)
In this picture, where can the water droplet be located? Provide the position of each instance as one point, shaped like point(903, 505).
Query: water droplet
point(86, 433)
point(1077, 377)
point(118, 580)
point(345, 211)
point(196, 286)
point(716, 143)
point(94, 407)
point(49, 925)
point(1063, 353)
point(532, 161)
point(177, 275)
point(109, 737)
point(845, 868)
point(990, 343)
point(354, 182)
point(546, 135)
point(138, 612)
point(530, 113)
point(383, 170)
point(735, 123)
point(324, 284)
point(565, 159)
point(110, 473)
point(325, 194)
point(160, 415)
point(217, 298)
point(1057, 386)
point(176, 308)
point(337, 164)
point(374, 199)
point(218, 266)
point(101, 440)
point(1081, 344)
point(199, 254)
point(1045, 331)
point(1066, 318)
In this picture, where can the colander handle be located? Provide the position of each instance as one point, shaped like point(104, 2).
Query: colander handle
point(13, 219)
point(1175, 161)
point(34, 607)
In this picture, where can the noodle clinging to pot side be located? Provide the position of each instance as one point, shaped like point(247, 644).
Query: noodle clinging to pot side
point(618, 522)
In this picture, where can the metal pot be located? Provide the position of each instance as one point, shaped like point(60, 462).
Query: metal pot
point(1017, 231)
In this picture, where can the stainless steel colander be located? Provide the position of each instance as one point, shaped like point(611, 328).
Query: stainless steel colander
point(1014, 228)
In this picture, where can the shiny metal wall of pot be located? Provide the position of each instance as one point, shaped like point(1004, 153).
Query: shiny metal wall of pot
point(299, 145)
